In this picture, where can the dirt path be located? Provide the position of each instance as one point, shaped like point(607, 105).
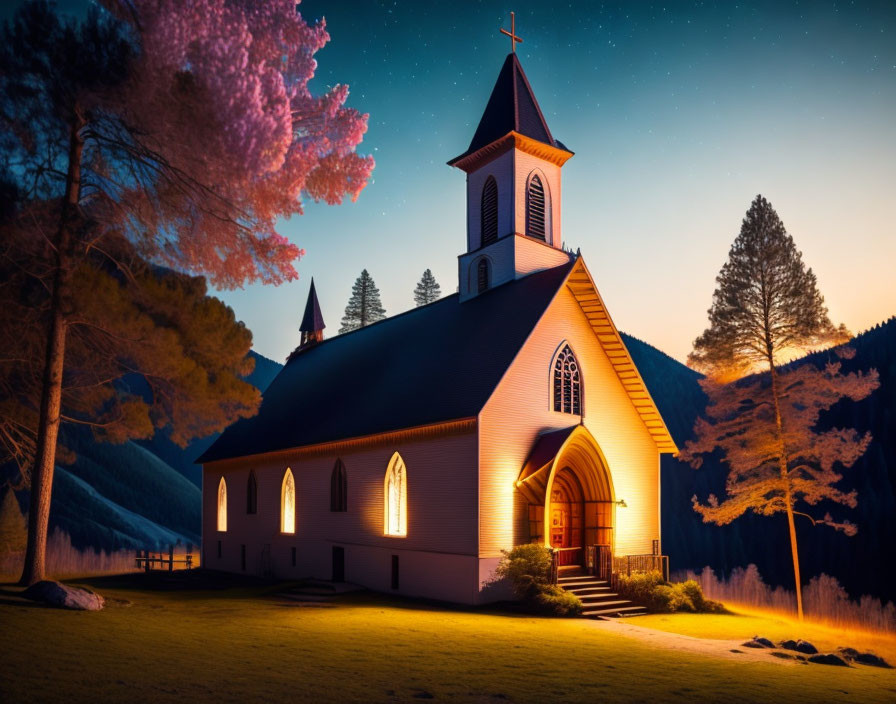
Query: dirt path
point(725, 649)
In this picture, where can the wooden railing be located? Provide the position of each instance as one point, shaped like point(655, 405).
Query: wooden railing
point(627, 564)
point(147, 559)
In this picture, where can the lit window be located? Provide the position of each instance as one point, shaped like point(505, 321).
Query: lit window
point(222, 505)
point(567, 383)
point(396, 497)
point(489, 220)
point(535, 209)
point(288, 503)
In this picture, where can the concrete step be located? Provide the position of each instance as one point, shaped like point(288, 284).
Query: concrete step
point(615, 611)
point(578, 591)
point(583, 582)
point(600, 604)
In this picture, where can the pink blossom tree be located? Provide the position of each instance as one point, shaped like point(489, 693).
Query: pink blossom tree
point(176, 132)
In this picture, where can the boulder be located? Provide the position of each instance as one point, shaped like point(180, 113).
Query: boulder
point(759, 642)
point(801, 646)
point(872, 659)
point(828, 659)
point(64, 596)
point(848, 653)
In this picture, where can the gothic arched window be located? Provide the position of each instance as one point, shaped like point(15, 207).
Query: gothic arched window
point(222, 506)
point(567, 383)
point(489, 220)
point(251, 493)
point(535, 208)
point(288, 503)
point(482, 275)
point(395, 497)
point(338, 488)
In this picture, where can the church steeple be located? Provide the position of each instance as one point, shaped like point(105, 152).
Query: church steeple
point(513, 188)
point(312, 327)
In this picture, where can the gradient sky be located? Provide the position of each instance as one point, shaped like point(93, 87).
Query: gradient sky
point(679, 114)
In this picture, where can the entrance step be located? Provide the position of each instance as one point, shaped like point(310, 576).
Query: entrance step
point(598, 599)
point(615, 612)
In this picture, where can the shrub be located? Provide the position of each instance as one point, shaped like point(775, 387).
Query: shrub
point(528, 568)
point(649, 590)
point(557, 602)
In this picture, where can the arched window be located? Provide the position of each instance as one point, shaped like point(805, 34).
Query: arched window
point(338, 488)
point(489, 220)
point(288, 503)
point(482, 275)
point(535, 209)
point(222, 506)
point(251, 493)
point(567, 383)
point(395, 497)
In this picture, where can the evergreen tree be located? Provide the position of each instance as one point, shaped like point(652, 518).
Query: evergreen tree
point(13, 533)
point(766, 306)
point(428, 289)
point(364, 307)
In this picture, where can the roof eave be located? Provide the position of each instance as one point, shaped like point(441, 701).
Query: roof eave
point(470, 161)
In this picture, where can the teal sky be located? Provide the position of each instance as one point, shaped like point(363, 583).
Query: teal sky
point(679, 114)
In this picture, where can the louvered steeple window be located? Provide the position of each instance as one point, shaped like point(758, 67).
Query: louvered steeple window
point(482, 275)
point(489, 211)
point(535, 209)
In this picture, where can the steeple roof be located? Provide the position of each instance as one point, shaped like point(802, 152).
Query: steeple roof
point(312, 321)
point(512, 107)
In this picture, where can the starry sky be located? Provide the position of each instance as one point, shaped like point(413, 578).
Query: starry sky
point(679, 114)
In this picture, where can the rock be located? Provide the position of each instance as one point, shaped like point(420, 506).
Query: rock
point(828, 659)
point(64, 596)
point(801, 646)
point(872, 659)
point(848, 653)
point(758, 642)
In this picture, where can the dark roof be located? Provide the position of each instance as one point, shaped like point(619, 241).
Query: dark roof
point(432, 364)
point(312, 321)
point(511, 107)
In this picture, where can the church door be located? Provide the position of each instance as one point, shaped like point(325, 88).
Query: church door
point(566, 519)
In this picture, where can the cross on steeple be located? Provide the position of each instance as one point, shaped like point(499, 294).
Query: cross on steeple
point(512, 33)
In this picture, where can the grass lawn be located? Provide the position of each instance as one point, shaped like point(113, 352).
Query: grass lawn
point(241, 644)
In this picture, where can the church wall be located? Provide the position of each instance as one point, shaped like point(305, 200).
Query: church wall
point(437, 559)
point(502, 169)
point(525, 164)
point(521, 409)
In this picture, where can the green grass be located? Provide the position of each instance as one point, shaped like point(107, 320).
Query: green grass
point(241, 644)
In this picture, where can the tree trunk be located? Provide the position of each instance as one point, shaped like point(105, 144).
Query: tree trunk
point(788, 497)
point(54, 363)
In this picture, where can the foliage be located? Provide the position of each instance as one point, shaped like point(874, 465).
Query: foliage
point(767, 305)
point(766, 302)
point(151, 133)
point(528, 569)
point(741, 422)
point(364, 307)
point(13, 532)
point(656, 595)
point(427, 290)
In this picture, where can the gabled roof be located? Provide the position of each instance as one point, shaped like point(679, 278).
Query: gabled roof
point(432, 364)
point(582, 286)
point(512, 107)
point(313, 320)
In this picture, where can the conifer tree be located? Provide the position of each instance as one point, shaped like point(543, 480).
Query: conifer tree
point(428, 289)
point(13, 533)
point(364, 307)
point(767, 306)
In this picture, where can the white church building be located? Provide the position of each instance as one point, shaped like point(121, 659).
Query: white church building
point(406, 455)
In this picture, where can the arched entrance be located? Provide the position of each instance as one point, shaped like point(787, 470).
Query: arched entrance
point(570, 496)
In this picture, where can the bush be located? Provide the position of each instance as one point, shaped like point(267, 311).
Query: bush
point(649, 590)
point(528, 568)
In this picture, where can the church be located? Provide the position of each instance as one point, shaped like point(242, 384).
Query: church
point(405, 456)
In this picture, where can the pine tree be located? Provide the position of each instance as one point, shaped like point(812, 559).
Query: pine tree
point(766, 306)
point(13, 533)
point(364, 307)
point(428, 289)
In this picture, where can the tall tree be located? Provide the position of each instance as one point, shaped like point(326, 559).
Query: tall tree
point(364, 307)
point(428, 289)
point(177, 133)
point(767, 306)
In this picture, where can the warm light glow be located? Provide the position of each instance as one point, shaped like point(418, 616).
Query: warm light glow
point(288, 503)
point(222, 505)
point(395, 497)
